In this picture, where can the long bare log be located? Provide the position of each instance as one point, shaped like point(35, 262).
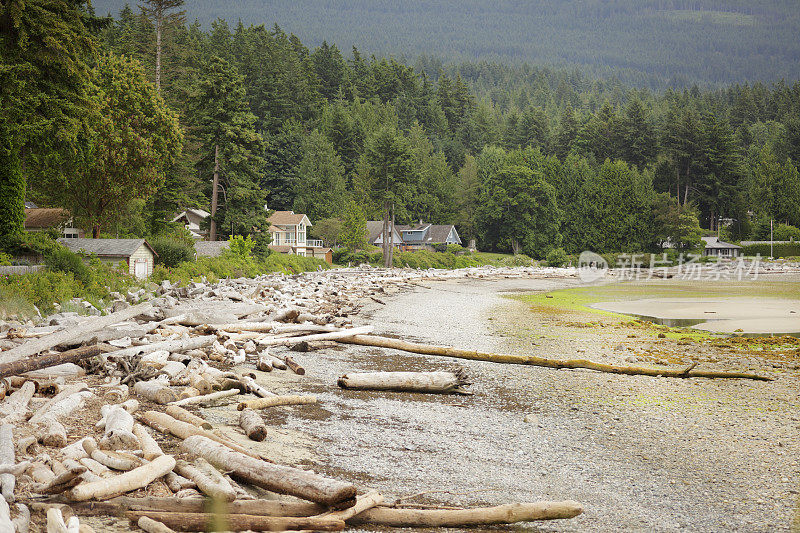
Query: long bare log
point(119, 505)
point(252, 425)
point(435, 382)
point(114, 460)
point(6, 525)
point(155, 390)
point(80, 331)
point(132, 480)
point(14, 407)
point(205, 483)
point(363, 503)
point(277, 478)
point(179, 413)
point(253, 387)
point(179, 345)
point(276, 401)
point(207, 398)
point(334, 335)
point(500, 514)
point(294, 365)
point(240, 522)
point(152, 526)
point(149, 446)
point(16, 368)
point(183, 430)
point(63, 481)
point(429, 349)
point(7, 457)
point(63, 406)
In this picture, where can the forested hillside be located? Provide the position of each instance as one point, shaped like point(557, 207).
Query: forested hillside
point(643, 42)
point(524, 160)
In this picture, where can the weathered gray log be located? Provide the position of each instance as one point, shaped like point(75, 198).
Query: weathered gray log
point(111, 459)
point(252, 425)
point(153, 526)
point(445, 351)
point(61, 482)
point(264, 363)
point(7, 457)
point(22, 521)
point(177, 483)
point(253, 387)
point(6, 525)
point(118, 429)
point(207, 398)
point(501, 514)
point(334, 335)
point(80, 331)
point(119, 505)
point(313, 346)
point(149, 446)
point(64, 403)
point(276, 401)
point(40, 473)
point(155, 391)
point(179, 345)
point(277, 363)
point(239, 522)
point(166, 424)
point(132, 480)
point(52, 433)
point(179, 413)
point(434, 382)
point(277, 478)
point(14, 407)
point(205, 483)
point(71, 356)
point(294, 365)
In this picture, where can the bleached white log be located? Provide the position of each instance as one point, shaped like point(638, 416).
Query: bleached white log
point(207, 398)
point(7, 457)
point(118, 430)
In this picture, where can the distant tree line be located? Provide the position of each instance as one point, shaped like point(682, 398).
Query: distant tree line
point(522, 159)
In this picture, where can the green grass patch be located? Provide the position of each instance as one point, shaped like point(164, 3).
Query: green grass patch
point(229, 265)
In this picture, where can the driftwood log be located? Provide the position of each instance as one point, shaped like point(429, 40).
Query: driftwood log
point(429, 349)
point(81, 331)
point(240, 522)
point(7, 457)
point(434, 382)
point(277, 478)
point(276, 401)
point(156, 391)
point(183, 430)
point(15, 406)
point(121, 504)
point(500, 514)
point(252, 425)
point(16, 368)
point(132, 480)
point(152, 526)
point(291, 363)
point(207, 398)
point(205, 483)
point(149, 446)
point(334, 335)
point(179, 413)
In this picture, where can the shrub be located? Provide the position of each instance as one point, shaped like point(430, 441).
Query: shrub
point(60, 259)
point(778, 250)
point(557, 257)
point(455, 249)
point(5, 259)
point(241, 247)
point(171, 250)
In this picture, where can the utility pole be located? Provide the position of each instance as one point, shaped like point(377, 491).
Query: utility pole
point(770, 239)
point(215, 194)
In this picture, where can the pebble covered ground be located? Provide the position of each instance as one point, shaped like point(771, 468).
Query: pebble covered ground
point(640, 453)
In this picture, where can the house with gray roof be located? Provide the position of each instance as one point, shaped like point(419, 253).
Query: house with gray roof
point(375, 234)
point(136, 254)
point(717, 248)
point(423, 236)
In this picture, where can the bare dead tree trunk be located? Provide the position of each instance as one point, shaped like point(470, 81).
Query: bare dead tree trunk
point(215, 195)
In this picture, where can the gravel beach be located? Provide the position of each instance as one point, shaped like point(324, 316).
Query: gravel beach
point(640, 453)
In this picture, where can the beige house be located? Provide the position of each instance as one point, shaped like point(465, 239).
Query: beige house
point(137, 254)
point(288, 231)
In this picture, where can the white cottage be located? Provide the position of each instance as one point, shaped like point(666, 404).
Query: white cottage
point(137, 254)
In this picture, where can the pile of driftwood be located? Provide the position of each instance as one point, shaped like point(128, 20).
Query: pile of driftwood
point(96, 414)
point(96, 419)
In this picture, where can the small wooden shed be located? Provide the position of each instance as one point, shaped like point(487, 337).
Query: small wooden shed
point(136, 253)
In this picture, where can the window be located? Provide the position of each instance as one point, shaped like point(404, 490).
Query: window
point(70, 233)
